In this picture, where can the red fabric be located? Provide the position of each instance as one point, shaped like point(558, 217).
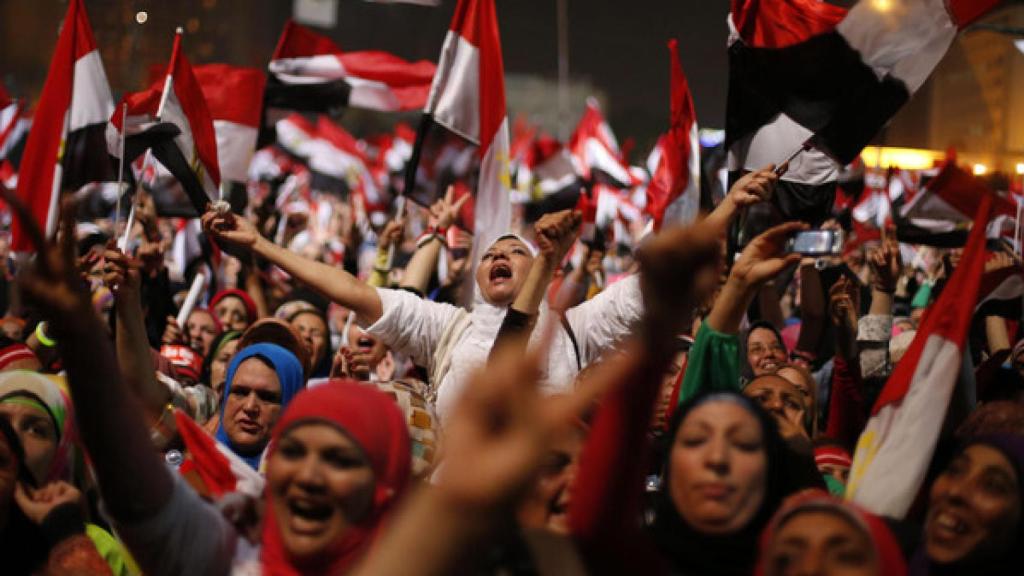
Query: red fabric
point(964, 12)
point(193, 103)
point(672, 175)
point(782, 23)
point(832, 455)
point(338, 137)
point(297, 41)
point(15, 353)
point(186, 361)
point(950, 316)
point(607, 495)
point(144, 103)
point(232, 93)
point(887, 549)
point(476, 21)
point(964, 192)
point(206, 460)
point(374, 422)
point(591, 125)
point(250, 305)
point(847, 415)
point(42, 149)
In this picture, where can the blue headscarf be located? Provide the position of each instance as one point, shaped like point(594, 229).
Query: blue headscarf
point(289, 374)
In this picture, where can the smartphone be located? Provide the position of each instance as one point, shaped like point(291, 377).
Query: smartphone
point(817, 243)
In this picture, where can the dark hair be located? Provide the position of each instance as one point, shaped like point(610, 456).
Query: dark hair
point(223, 338)
point(747, 369)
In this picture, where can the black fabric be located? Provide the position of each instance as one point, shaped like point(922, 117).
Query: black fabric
point(168, 153)
point(514, 324)
point(86, 158)
point(62, 523)
point(821, 83)
point(572, 338)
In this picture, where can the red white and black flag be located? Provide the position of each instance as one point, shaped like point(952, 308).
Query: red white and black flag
point(14, 125)
point(234, 97)
point(467, 102)
point(805, 71)
point(673, 194)
point(595, 151)
point(64, 149)
point(310, 73)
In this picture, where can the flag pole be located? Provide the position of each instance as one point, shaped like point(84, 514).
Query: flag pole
point(399, 213)
point(120, 166)
point(784, 166)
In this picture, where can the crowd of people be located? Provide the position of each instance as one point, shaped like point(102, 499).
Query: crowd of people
point(556, 406)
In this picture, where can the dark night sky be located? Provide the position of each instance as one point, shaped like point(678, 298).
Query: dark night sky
point(619, 45)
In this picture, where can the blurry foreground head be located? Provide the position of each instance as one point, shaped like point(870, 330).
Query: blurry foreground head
point(815, 533)
point(40, 412)
point(338, 462)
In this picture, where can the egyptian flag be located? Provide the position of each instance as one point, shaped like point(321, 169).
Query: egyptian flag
point(595, 150)
point(14, 125)
point(192, 156)
point(338, 163)
point(213, 469)
point(807, 72)
point(65, 149)
point(548, 176)
point(674, 191)
point(310, 73)
point(940, 214)
point(234, 97)
point(896, 447)
point(467, 104)
point(1001, 293)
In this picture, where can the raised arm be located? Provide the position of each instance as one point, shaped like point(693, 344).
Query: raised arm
point(236, 234)
point(749, 190)
point(428, 249)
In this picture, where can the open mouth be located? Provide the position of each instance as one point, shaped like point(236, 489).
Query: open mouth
point(501, 271)
point(949, 524)
point(309, 510)
point(364, 343)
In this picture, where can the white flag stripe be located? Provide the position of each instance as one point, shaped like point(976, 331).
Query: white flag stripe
point(91, 102)
point(493, 212)
point(235, 146)
point(773, 143)
point(895, 448)
point(454, 100)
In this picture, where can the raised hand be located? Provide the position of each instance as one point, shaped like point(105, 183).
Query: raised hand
point(678, 268)
point(120, 271)
point(555, 232)
point(233, 233)
point(38, 503)
point(842, 307)
point(886, 266)
point(754, 187)
point(764, 257)
point(393, 232)
point(445, 211)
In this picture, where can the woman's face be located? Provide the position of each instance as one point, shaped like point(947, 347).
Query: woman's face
point(201, 331)
point(37, 433)
point(820, 542)
point(779, 397)
point(313, 331)
point(320, 484)
point(718, 468)
point(547, 505)
point(232, 314)
point(974, 508)
point(252, 406)
point(219, 366)
point(764, 351)
point(503, 270)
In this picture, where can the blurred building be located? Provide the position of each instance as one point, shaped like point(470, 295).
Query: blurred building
point(974, 102)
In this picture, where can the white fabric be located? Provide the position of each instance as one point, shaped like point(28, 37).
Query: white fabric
point(454, 99)
point(414, 326)
point(91, 102)
point(188, 536)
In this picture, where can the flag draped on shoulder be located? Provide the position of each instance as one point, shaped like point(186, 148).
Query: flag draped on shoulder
point(808, 72)
point(467, 100)
point(310, 73)
point(674, 191)
point(64, 149)
point(896, 447)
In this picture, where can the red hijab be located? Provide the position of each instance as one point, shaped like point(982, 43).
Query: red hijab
point(374, 422)
point(890, 558)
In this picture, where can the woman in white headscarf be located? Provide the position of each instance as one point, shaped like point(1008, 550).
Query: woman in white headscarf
point(449, 341)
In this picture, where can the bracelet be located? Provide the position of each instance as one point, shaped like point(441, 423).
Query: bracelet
point(43, 338)
point(427, 237)
point(439, 230)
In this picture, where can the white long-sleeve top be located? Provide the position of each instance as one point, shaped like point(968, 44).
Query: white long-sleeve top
point(415, 327)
